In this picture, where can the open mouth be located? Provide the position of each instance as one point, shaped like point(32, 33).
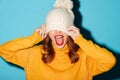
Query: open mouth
point(59, 39)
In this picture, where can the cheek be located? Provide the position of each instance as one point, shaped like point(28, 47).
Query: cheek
point(51, 37)
point(51, 34)
point(65, 40)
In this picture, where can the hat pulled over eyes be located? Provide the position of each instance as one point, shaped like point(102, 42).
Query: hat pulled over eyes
point(60, 17)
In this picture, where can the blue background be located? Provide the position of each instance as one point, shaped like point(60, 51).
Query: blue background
point(99, 20)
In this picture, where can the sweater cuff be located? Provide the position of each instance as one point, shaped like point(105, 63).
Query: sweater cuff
point(37, 37)
point(79, 39)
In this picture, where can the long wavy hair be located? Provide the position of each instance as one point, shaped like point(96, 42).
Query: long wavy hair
point(49, 54)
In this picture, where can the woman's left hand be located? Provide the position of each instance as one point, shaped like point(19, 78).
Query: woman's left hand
point(74, 32)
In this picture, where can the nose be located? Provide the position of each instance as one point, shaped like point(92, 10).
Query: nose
point(57, 31)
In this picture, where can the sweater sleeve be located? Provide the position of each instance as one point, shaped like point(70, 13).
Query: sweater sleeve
point(17, 51)
point(99, 59)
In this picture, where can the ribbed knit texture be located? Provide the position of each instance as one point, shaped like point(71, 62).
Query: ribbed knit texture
point(23, 52)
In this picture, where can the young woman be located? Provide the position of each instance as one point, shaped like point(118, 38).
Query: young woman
point(63, 53)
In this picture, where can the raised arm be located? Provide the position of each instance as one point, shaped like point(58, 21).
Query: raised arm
point(17, 51)
point(99, 59)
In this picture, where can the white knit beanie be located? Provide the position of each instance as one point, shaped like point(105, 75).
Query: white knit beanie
point(61, 16)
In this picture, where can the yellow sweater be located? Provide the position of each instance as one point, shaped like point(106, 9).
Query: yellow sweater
point(23, 52)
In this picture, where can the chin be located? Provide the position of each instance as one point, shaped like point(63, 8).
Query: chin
point(62, 46)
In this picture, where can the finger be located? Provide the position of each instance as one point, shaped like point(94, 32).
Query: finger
point(37, 30)
point(43, 33)
point(77, 30)
point(71, 30)
point(44, 26)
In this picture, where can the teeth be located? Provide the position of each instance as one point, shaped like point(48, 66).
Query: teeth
point(58, 37)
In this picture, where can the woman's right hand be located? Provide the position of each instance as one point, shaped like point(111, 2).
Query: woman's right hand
point(42, 31)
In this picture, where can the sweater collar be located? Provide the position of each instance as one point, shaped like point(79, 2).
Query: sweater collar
point(64, 49)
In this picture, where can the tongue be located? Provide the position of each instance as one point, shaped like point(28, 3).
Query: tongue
point(59, 41)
